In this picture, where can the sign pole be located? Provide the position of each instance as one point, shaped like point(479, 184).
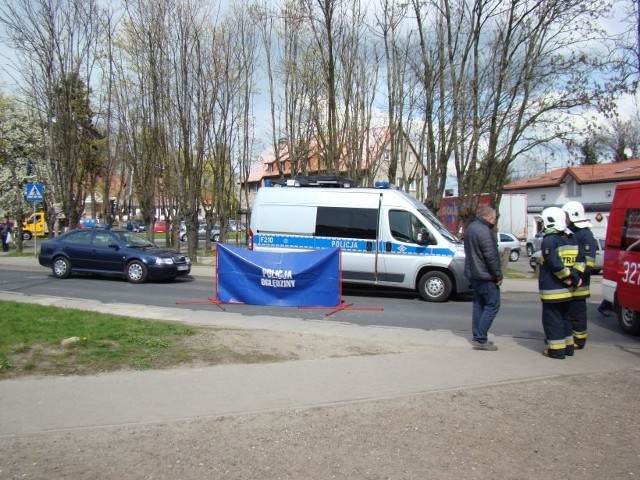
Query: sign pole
point(35, 236)
point(35, 193)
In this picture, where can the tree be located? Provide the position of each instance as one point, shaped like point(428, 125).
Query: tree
point(20, 144)
point(512, 69)
point(57, 43)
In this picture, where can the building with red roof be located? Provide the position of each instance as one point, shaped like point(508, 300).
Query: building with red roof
point(592, 185)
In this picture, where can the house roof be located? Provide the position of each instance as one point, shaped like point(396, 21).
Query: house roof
point(598, 173)
point(375, 139)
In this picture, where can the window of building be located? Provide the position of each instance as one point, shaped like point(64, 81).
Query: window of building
point(574, 189)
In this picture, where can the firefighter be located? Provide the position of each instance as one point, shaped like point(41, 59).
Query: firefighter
point(585, 261)
point(556, 282)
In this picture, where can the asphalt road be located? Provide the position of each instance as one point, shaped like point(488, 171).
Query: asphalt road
point(519, 316)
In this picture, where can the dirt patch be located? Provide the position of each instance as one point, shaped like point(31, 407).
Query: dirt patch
point(210, 346)
point(583, 426)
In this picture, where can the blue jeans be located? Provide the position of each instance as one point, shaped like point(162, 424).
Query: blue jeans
point(486, 303)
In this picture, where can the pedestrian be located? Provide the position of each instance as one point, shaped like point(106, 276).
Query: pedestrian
point(482, 268)
point(580, 228)
point(5, 234)
point(605, 307)
point(3, 237)
point(556, 282)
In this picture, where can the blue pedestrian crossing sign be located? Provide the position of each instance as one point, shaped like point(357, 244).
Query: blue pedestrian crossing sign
point(34, 192)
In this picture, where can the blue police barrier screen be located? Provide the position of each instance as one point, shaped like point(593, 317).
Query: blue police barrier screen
point(292, 279)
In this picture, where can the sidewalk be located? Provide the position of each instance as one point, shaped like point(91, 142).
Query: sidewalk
point(443, 361)
point(442, 408)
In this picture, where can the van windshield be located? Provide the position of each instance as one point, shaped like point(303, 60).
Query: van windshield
point(431, 218)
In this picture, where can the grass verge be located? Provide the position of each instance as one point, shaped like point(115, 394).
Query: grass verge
point(43, 340)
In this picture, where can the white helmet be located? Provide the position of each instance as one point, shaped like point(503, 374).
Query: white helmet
point(575, 210)
point(554, 218)
point(575, 213)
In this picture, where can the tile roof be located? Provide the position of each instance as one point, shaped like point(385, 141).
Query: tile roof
point(598, 173)
point(376, 139)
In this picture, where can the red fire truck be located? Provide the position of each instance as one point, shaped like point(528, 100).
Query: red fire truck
point(621, 273)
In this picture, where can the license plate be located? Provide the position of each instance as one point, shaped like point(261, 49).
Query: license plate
point(183, 267)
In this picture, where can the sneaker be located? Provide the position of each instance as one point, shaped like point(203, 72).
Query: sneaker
point(488, 346)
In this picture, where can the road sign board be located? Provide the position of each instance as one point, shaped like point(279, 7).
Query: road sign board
point(34, 192)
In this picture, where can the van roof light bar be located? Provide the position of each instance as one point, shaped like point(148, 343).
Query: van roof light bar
point(322, 181)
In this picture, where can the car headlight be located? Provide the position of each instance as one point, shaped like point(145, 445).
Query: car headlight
point(164, 261)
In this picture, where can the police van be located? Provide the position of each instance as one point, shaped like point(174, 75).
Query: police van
point(621, 272)
point(386, 237)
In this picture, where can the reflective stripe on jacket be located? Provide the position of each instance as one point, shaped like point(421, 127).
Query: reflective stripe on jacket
point(558, 256)
point(585, 261)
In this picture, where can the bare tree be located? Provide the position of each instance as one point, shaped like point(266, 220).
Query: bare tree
point(523, 65)
point(57, 41)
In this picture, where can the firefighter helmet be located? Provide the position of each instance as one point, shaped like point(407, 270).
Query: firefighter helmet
point(575, 213)
point(554, 218)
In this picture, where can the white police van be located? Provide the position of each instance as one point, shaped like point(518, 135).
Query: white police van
point(386, 236)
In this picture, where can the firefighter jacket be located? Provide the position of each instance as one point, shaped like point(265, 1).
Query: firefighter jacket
point(585, 260)
point(556, 280)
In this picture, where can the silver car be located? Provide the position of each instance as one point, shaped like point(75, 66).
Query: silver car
point(202, 232)
point(509, 241)
point(533, 261)
point(533, 243)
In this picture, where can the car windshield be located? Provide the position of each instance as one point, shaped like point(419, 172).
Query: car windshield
point(133, 240)
point(431, 218)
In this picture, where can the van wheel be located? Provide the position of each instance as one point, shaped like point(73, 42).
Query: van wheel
point(629, 320)
point(435, 286)
point(26, 235)
point(514, 255)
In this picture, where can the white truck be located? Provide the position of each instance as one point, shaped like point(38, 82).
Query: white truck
point(513, 215)
point(386, 236)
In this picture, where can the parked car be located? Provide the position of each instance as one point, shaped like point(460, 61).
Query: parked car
point(138, 226)
point(533, 243)
point(118, 253)
point(202, 233)
point(533, 261)
point(509, 241)
point(236, 226)
point(160, 226)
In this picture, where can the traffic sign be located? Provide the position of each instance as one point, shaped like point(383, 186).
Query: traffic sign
point(35, 192)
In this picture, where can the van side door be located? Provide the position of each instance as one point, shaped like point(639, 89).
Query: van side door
point(353, 230)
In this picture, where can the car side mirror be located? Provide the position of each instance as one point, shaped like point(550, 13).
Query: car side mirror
point(424, 237)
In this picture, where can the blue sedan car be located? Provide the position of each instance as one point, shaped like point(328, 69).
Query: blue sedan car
point(118, 253)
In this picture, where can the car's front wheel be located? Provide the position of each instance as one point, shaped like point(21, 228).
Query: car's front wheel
point(435, 286)
point(216, 237)
point(26, 235)
point(136, 272)
point(514, 255)
point(61, 267)
point(529, 250)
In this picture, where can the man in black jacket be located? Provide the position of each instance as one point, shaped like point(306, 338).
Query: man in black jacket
point(482, 268)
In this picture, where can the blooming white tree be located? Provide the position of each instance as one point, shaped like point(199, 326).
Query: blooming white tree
point(21, 145)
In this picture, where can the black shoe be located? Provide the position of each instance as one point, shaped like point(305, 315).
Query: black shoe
point(603, 312)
